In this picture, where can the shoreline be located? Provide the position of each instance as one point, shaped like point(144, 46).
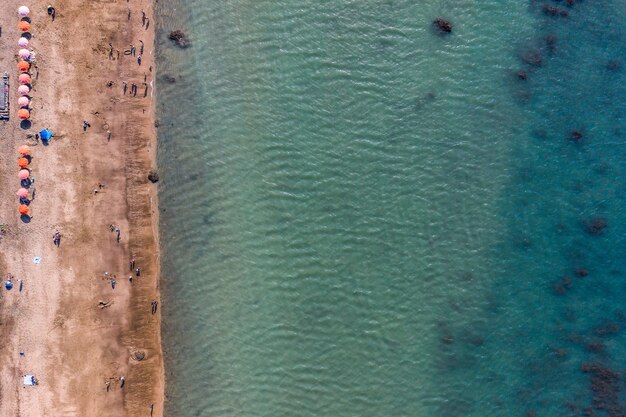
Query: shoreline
point(79, 335)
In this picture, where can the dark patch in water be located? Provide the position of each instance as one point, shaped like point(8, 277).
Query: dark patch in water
point(596, 226)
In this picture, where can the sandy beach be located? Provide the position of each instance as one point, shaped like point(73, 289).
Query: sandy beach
point(78, 335)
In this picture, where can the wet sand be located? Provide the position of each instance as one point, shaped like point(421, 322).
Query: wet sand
point(77, 332)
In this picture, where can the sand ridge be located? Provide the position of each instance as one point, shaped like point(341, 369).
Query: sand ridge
point(71, 343)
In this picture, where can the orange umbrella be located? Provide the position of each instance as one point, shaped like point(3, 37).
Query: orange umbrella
point(23, 209)
point(24, 26)
point(23, 114)
point(23, 66)
point(22, 162)
point(22, 192)
point(24, 150)
point(23, 174)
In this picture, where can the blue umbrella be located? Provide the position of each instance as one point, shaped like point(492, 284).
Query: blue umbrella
point(8, 285)
point(45, 134)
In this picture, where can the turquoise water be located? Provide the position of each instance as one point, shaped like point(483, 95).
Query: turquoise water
point(361, 217)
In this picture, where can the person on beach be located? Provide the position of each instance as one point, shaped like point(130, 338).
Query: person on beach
point(52, 12)
point(108, 385)
point(112, 227)
point(147, 23)
point(85, 125)
point(125, 86)
point(138, 271)
point(145, 91)
point(132, 50)
point(128, 12)
point(131, 263)
point(122, 381)
point(154, 304)
point(130, 279)
point(113, 283)
point(143, 18)
point(56, 239)
point(133, 89)
point(151, 409)
point(139, 59)
point(118, 232)
point(141, 49)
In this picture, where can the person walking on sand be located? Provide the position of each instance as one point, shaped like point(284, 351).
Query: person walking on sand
point(154, 304)
point(139, 59)
point(130, 279)
point(118, 232)
point(141, 49)
point(138, 271)
point(122, 381)
point(113, 283)
point(145, 91)
point(52, 12)
point(108, 385)
point(151, 409)
point(128, 12)
point(85, 125)
point(133, 89)
point(132, 50)
point(143, 18)
point(125, 86)
point(131, 263)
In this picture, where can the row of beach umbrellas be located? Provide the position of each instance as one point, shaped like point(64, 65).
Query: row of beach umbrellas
point(23, 113)
point(24, 176)
point(23, 66)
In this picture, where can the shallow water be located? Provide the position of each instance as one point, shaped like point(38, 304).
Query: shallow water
point(363, 218)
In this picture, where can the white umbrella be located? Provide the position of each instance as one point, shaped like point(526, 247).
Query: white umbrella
point(24, 53)
point(23, 11)
point(23, 42)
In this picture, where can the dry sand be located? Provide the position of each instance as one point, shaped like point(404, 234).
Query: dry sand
point(70, 344)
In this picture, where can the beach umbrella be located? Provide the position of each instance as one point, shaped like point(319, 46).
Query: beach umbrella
point(22, 192)
point(23, 11)
point(24, 150)
point(24, 26)
point(22, 42)
point(22, 162)
point(8, 285)
point(24, 53)
point(24, 79)
point(23, 101)
point(23, 90)
point(23, 209)
point(23, 114)
point(23, 174)
point(45, 134)
point(23, 66)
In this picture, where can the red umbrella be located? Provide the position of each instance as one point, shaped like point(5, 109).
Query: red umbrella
point(23, 66)
point(24, 150)
point(22, 162)
point(24, 26)
point(23, 209)
point(23, 174)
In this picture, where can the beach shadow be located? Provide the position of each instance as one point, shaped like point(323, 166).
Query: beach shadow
point(26, 124)
point(25, 218)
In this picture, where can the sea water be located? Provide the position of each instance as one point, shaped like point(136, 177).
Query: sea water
point(361, 216)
